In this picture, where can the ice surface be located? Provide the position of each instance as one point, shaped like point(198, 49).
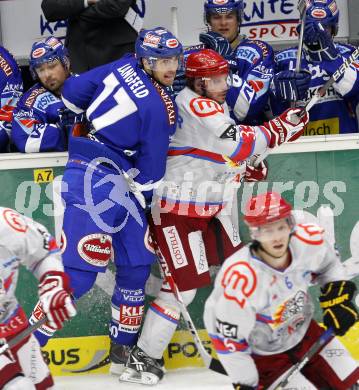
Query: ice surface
point(183, 379)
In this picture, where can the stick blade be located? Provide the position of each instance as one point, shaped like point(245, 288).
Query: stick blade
point(217, 366)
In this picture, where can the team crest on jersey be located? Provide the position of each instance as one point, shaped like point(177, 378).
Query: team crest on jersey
point(172, 43)
point(151, 40)
point(14, 220)
point(239, 282)
point(95, 249)
point(37, 53)
point(290, 308)
point(319, 13)
point(203, 107)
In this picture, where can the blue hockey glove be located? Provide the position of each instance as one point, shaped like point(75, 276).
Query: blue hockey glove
point(215, 41)
point(319, 43)
point(291, 86)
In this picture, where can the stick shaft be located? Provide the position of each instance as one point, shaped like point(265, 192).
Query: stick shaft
point(322, 340)
point(22, 335)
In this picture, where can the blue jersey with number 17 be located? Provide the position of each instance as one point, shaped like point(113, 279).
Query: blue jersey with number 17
point(132, 117)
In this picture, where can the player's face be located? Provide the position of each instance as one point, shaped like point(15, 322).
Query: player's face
point(274, 237)
point(215, 87)
point(52, 75)
point(225, 24)
point(164, 70)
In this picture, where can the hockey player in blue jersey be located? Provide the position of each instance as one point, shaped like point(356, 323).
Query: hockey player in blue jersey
point(250, 60)
point(11, 89)
point(41, 123)
point(335, 113)
point(113, 167)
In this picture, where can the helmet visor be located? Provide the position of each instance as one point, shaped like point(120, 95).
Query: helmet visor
point(165, 64)
point(275, 231)
point(217, 84)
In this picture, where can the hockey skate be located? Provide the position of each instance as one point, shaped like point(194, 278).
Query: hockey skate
point(118, 356)
point(141, 368)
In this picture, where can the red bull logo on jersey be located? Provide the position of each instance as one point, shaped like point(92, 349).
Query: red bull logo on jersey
point(95, 249)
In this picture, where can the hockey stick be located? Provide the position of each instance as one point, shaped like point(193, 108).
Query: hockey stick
point(302, 8)
point(335, 77)
point(174, 21)
point(322, 340)
point(209, 361)
point(22, 335)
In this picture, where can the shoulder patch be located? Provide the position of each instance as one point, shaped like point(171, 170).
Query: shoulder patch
point(309, 233)
point(345, 48)
point(239, 282)
point(5, 66)
point(203, 107)
point(287, 54)
point(15, 220)
point(33, 95)
point(168, 102)
point(248, 53)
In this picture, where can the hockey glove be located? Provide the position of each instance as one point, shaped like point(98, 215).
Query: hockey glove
point(319, 43)
point(289, 85)
point(218, 43)
point(338, 310)
point(254, 174)
point(286, 127)
point(55, 298)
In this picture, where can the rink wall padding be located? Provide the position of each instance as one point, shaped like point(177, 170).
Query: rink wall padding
point(90, 355)
point(323, 183)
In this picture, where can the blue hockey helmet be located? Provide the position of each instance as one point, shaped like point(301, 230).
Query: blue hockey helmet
point(48, 50)
point(223, 7)
point(326, 12)
point(157, 43)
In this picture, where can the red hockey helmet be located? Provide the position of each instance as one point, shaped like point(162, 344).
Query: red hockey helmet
point(206, 63)
point(266, 208)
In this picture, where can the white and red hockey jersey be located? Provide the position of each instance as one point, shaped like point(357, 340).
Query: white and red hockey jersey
point(22, 242)
point(255, 308)
point(207, 153)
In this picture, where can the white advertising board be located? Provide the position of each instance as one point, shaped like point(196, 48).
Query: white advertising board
point(22, 21)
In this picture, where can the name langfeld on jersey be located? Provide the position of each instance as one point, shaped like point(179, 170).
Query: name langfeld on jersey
point(135, 83)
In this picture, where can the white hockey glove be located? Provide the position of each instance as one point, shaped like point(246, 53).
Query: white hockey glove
point(55, 298)
point(286, 127)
